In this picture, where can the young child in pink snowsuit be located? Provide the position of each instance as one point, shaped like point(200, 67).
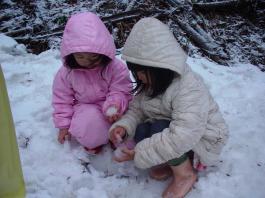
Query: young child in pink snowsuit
point(92, 88)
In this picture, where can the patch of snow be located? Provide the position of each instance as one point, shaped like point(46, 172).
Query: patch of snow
point(65, 171)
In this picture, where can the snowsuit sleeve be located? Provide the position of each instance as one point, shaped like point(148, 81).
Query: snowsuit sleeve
point(62, 99)
point(190, 106)
point(120, 87)
point(131, 118)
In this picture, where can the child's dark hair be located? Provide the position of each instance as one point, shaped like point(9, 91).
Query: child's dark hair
point(160, 78)
point(72, 64)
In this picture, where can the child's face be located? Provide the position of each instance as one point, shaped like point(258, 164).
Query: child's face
point(142, 76)
point(87, 59)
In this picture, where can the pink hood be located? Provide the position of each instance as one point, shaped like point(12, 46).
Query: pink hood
point(85, 32)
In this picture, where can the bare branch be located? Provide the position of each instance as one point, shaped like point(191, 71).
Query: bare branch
point(173, 3)
point(201, 41)
point(205, 42)
point(130, 5)
point(5, 17)
point(221, 5)
point(122, 16)
point(22, 31)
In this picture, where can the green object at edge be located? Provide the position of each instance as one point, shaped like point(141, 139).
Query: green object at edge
point(11, 178)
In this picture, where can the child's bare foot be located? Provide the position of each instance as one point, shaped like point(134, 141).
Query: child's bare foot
point(178, 188)
point(184, 178)
point(160, 172)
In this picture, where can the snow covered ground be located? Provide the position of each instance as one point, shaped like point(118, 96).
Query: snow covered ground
point(66, 171)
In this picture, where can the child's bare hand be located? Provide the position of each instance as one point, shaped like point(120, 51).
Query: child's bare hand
point(117, 134)
point(112, 114)
point(63, 135)
point(127, 155)
point(113, 118)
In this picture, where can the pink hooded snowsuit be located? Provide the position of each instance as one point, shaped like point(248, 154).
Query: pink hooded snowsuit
point(81, 97)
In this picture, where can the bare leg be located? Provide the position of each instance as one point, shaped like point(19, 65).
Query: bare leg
point(183, 179)
point(161, 172)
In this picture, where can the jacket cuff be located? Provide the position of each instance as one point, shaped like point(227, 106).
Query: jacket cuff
point(112, 110)
point(62, 125)
point(108, 104)
point(129, 129)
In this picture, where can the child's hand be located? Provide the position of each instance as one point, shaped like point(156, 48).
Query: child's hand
point(112, 114)
point(127, 155)
point(117, 134)
point(63, 135)
point(113, 118)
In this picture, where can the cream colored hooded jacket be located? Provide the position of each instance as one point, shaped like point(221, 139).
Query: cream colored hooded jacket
point(196, 123)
